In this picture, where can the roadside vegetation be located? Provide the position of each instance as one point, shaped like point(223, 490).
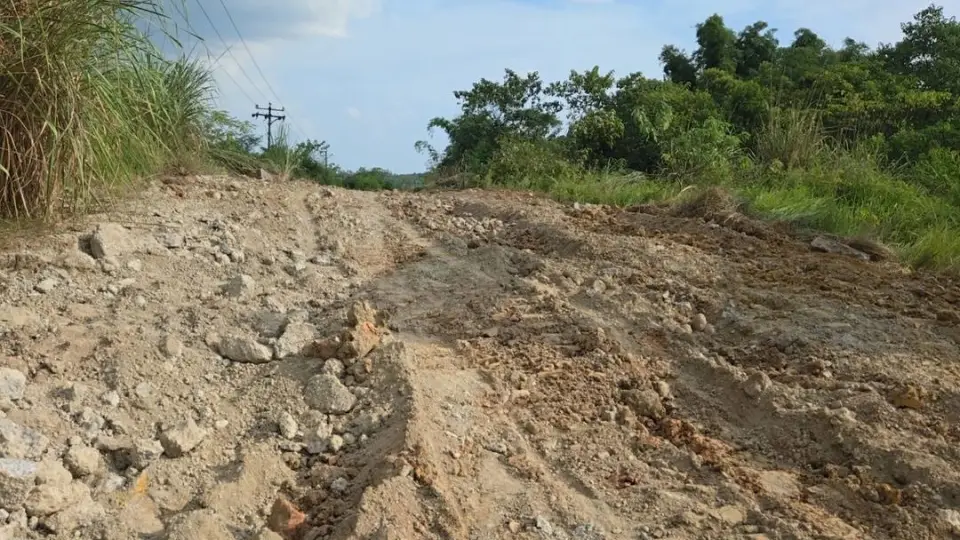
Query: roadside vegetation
point(89, 106)
point(853, 140)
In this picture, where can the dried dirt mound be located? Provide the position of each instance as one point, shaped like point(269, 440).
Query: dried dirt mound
point(235, 359)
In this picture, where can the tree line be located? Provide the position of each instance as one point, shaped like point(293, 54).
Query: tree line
point(741, 100)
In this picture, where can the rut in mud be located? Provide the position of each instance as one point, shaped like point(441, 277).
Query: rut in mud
point(233, 359)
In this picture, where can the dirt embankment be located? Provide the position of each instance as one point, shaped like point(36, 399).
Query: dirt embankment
point(231, 359)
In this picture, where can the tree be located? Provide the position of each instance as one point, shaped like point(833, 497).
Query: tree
point(756, 45)
point(717, 45)
point(929, 51)
point(517, 107)
point(678, 67)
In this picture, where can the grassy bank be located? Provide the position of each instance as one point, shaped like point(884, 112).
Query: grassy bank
point(848, 194)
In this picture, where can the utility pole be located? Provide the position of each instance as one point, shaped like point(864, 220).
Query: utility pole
point(270, 118)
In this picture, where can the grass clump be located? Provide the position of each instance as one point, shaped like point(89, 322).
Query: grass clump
point(88, 104)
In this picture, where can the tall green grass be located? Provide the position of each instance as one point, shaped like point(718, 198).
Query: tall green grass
point(88, 104)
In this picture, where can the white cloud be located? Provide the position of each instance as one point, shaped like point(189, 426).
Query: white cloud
point(353, 112)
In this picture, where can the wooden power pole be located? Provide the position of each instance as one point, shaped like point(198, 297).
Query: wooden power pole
point(270, 118)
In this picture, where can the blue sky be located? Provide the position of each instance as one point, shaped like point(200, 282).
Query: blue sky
point(367, 75)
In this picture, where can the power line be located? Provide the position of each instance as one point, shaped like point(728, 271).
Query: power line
point(249, 52)
point(256, 64)
point(226, 72)
point(227, 50)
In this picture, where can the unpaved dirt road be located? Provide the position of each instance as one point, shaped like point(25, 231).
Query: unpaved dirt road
point(232, 359)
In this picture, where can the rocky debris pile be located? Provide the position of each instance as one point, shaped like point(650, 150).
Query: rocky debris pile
point(440, 215)
point(349, 399)
point(42, 488)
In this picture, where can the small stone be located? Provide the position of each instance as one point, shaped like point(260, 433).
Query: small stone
point(267, 534)
point(909, 397)
point(730, 515)
point(171, 347)
point(543, 525)
point(514, 527)
point(140, 301)
point(83, 461)
point(645, 403)
point(297, 336)
point(340, 485)
point(20, 442)
point(245, 350)
point(285, 518)
point(144, 452)
point(757, 384)
point(144, 391)
point(111, 240)
point(269, 324)
point(17, 477)
point(46, 285)
point(12, 384)
point(328, 395)
point(951, 518)
point(181, 439)
point(238, 285)
point(135, 265)
point(333, 367)
point(663, 388)
point(221, 424)
point(173, 240)
point(295, 268)
point(318, 439)
point(699, 322)
point(335, 443)
point(287, 426)
point(111, 398)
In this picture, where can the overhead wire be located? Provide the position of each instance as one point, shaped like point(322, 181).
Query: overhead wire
point(257, 66)
point(227, 50)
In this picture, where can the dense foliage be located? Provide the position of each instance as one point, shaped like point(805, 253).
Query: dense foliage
point(853, 139)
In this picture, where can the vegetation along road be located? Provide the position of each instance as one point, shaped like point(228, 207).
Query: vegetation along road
point(722, 305)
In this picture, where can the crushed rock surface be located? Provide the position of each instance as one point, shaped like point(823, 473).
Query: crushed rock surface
point(237, 358)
